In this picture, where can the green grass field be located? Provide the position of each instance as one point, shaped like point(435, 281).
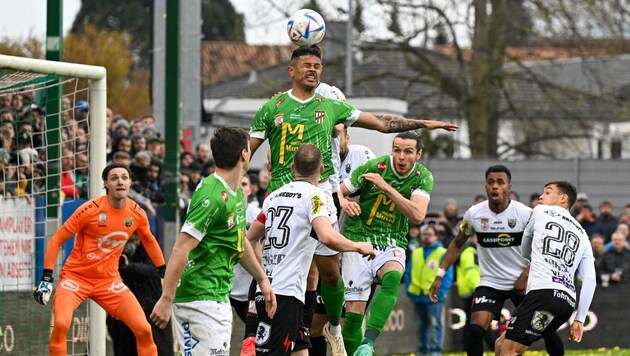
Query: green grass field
point(593, 352)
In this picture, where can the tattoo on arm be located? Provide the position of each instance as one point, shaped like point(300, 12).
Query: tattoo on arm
point(399, 124)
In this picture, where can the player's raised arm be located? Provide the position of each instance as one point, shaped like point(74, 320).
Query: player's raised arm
point(391, 123)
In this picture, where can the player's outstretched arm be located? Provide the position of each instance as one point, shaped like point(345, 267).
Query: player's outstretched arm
point(390, 123)
point(253, 266)
point(452, 252)
point(331, 238)
point(161, 313)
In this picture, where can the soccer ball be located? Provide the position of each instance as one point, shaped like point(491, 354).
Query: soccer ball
point(306, 27)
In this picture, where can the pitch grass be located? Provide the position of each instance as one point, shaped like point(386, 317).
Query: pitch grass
point(602, 351)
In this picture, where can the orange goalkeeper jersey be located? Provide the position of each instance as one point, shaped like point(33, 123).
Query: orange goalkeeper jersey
point(101, 234)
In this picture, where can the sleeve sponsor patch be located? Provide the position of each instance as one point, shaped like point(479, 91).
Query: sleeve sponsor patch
point(316, 204)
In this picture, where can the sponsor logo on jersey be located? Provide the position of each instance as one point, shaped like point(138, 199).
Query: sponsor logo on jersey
point(108, 243)
point(348, 167)
point(279, 102)
point(278, 120)
point(562, 295)
point(381, 166)
point(317, 204)
point(495, 239)
point(541, 320)
point(128, 222)
point(484, 300)
point(219, 352)
point(190, 264)
point(511, 222)
point(230, 221)
point(262, 333)
point(190, 341)
point(117, 287)
point(485, 224)
point(102, 219)
point(70, 285)
point(320, 116)
point(224, 196)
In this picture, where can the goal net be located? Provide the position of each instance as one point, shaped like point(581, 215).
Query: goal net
point(52, 151)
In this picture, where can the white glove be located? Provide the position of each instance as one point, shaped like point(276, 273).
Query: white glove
point(45, 288)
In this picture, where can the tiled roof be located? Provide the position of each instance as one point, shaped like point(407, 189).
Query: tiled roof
point(223, 60)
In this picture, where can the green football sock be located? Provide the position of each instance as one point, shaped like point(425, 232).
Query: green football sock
point(333, 300)
point(352, 331)
point(383, 303)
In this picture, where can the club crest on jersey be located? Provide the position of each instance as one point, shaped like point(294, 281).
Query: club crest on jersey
point(551, 213)
point(102, 219)
point(230, 221)
point(262, 333)
point(320, 100)
point(320, 115)
point(381, 166)
point(128, 222)
point(278, 120)
point(224, 196)
point(348, 167)
point(485, 224)
point(541, 320)
point(511, 222)
point(374, 188)
point(316, 203)
point(418, 172)
point(279, 102)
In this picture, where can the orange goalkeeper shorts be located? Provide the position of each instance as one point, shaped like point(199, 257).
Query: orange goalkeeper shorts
point(106, 292)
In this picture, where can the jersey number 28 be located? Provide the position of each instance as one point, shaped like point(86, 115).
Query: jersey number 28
point(560, 243)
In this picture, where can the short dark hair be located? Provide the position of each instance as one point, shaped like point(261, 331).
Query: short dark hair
point(411, 135)
point(109, 168)
point(227, 144)
point(565, 188)
point(307, 160)
point(499, 168)
point(313, 50)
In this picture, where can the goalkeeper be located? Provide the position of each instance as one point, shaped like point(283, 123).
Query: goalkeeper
point(102, 227)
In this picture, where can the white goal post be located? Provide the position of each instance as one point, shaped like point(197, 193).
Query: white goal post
point(97, 154)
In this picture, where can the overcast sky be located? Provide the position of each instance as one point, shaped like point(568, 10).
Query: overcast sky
point(265, 20)
point(19, 18)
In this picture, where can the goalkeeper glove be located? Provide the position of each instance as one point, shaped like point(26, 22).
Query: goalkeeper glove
point(44, 290)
